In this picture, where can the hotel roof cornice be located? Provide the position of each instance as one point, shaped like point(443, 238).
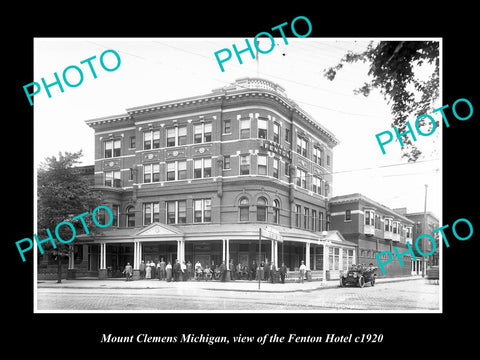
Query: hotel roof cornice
point(244, 87)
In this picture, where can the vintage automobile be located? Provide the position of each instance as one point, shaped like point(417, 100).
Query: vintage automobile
point(359, 275)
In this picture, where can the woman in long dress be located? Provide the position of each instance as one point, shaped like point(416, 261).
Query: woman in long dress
point(148, 274)
point(168, 268)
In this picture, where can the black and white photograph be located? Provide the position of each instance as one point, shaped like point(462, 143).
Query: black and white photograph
point(223, 179)
point(220, 188)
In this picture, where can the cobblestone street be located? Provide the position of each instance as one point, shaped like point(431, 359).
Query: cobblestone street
point(409, 295)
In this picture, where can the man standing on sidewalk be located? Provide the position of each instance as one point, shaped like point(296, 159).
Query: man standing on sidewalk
point(302, 269)
point(283, 272)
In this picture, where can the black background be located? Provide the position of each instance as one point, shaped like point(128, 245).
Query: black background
point(402, 333)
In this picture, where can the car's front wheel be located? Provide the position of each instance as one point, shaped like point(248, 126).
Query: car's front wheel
point(361, 281)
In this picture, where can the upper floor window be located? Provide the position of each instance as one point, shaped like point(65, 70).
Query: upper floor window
point(388, 224)
point(132, 144)
point(262, 164)
point(112, 179)
point(317, 185)
point(276, 164)
point(348, 215)
point(176, 212)
point(202, 168)
point(116, 212)
point(151, 140)
point(276, 212)
point(396, 227)
point(227, 126)
point(176, 170)
point(177, 136)
point(320, 221)
point(244, 128)
point(244, 209)
point(245, 164)
point(130, 216)
point(317, 155)
point(151, 173)
point(298, 217)
point(301, 178)
point(262, 128)
point(369, 217)
point(378, 224)
point(306, 217)
point(288, 136)
point(261, 209)
point(276, 132)
point(202, 133)
point(301, 146)
point(151, 213)
point(202, 210)
point(226, 162)
point(112, 148)
point(314, 220)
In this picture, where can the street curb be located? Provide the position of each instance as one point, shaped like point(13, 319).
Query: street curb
point(321, 287)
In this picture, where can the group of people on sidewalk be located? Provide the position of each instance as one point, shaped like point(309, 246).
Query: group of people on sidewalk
point(184, 271)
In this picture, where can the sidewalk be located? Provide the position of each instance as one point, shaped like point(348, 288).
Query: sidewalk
point(238, 285)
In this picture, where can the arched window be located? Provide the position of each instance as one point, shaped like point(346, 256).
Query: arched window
point(244, 209)
point(130, 214)
point(261, 209)
point(276, 212)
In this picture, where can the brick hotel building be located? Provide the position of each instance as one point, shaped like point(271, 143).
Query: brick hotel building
point(194, 179)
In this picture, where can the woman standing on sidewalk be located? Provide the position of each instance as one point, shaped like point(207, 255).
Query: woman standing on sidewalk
point(168, 268)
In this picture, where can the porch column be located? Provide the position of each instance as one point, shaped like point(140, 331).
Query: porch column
point(227, 253)
point(307, 255)
point(103, 256)
point(71, 257)
point(135, 255)
point(314, 258)
point(275, 252)
point(325, 263)
point(223, 249)
point(102, 272)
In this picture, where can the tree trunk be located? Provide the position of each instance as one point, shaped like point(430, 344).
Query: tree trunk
point(59, 268)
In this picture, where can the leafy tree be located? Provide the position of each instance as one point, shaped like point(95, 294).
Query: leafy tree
point(63, 193)
point(392, 68)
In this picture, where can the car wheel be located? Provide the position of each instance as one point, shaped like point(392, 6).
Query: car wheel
point(361, 281)
point(341, 282)
point(372, 282)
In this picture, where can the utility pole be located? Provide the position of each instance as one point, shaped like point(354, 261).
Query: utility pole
point(424, 230)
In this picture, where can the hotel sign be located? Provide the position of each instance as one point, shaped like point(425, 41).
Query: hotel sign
point(276, 148)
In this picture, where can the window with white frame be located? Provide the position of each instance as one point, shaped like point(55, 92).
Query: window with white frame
point(276, 132)
point(245, 164)
point(130, 216)
point(301, 178)
point(276, 211)
point(176, 136)
point(388, 224)
point(276, 164)
point(317, 185)
point(301, 146)
point(116, 212)
point(176, 170)
point(151, 139)
point(202, 168)
point(226, 162)
point(112, 179)
point(112, 148)
point(369, 217)
point(244, 209)
point(202, 133)
point(151, 173)
point(262, 164)
point(244, 128)
point(176, 212)
point(202, 210)
point(151, 213)
point(262, 128)
point(261, 209)
point(227, 126)
point(396, 225)
point(314, 220)
point(317, 155)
